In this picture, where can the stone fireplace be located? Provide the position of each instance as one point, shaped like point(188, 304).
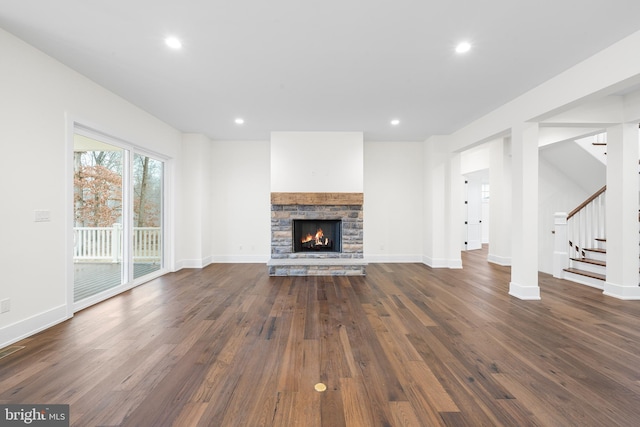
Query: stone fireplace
point(316, 234)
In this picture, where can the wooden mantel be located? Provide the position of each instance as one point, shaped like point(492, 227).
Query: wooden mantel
point(322, 199)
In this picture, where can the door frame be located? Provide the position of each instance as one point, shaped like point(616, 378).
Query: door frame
point(74, 126)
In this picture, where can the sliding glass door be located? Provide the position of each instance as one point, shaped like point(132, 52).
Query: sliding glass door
point(118, 205)
point(97, 229)
point(147, 215)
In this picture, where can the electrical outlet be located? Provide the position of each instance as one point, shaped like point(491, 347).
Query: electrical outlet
point(5, 305)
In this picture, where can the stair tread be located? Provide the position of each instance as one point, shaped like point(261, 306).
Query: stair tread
point(602, 251)
point(586, 273)
point(600, 239)
point(590, 261)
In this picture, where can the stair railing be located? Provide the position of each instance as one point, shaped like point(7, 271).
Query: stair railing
point(580, 229)
point(586, 223)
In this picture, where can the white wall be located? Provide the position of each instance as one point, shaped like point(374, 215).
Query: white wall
point(475, 159)
point(195, 240)
point(240, 188)
point(240, 192)
point(39, 97)
point(322, 162)
point(556, 193)
point(393, 201)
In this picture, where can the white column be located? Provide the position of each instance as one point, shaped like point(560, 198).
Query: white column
point(524, 251)
point(622, 212)
point(196, 201)
point(436, 156)
point(500, 204)
point(560, 245)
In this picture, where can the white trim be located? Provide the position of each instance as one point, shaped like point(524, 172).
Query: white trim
point(69, 213)
point(524, 292)
point(394, 258)
point(192, 263)
point(442, 262)
point(27, 327)
point(583, 280)
point(435, 262)
point(622, 292)
point(241, 259)
point(500, 260)
point(455, 263)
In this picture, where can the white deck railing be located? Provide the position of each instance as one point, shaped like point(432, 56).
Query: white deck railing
point(105, 243)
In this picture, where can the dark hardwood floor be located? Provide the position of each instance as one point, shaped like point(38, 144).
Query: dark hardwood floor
point(404, 346)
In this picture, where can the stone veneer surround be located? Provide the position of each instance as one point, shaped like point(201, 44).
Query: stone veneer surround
point(285, 207)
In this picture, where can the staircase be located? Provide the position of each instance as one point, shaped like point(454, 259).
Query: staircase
point(591, 267)
point(585, 231)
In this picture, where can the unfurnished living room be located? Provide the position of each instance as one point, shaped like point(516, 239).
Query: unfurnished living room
point(354, 213)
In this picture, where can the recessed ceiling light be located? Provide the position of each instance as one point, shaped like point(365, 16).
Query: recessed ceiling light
point(239, 121)
point(395, 122)
point(173, 42)
point(463, 47)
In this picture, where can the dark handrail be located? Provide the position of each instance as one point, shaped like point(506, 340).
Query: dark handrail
point(586, 202)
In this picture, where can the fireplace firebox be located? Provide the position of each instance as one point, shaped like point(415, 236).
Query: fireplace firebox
point(311, 235)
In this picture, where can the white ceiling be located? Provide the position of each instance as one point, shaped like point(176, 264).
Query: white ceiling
point(331, 65)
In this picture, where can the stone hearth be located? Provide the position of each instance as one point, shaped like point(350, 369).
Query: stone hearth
point(285, 207)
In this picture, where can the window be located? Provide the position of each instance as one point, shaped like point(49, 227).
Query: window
point(485, 192)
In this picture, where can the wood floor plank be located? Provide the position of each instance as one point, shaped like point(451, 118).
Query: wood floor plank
point(404, 415)
point(357, 408)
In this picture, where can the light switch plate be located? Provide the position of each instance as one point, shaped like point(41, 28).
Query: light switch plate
point(42, 215)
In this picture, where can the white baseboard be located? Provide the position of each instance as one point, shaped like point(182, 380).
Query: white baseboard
point(455, 263)
point(524, 292)
point(381, 258)
point(500, 260)
point(25, 328)
point(435, 262)
point(240, 259)
point(622, 292)
point(194, 263)
point(442, 262)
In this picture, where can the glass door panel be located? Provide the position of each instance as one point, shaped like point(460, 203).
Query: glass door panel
point(98, 230)
point(147, 215)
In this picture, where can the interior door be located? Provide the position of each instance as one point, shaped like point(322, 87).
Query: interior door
point(474, 214)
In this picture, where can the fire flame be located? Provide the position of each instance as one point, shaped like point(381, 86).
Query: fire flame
point(318, 238)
